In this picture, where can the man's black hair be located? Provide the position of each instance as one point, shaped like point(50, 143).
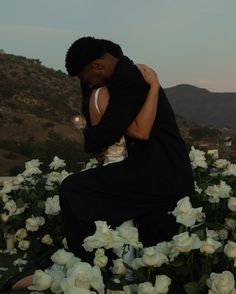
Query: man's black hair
point(85, 50)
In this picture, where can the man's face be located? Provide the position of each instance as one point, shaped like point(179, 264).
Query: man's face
point(93, 74)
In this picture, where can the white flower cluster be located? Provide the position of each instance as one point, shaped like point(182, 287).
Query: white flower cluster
point(216, 192)
point(30, 195)
point(69, 275)
point(197, 158)
point(105, 237)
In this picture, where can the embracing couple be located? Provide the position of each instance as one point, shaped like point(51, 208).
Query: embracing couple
point(144, 165)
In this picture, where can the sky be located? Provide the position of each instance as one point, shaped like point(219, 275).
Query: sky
point(184, 41)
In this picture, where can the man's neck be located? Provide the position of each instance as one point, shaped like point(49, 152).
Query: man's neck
point(111, 62)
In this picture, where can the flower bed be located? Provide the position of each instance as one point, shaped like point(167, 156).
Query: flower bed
point(200, 259)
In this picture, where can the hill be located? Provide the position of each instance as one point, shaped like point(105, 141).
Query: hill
point(202, 106)
point(37, 107)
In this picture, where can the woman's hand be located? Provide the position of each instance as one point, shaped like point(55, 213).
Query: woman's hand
point(149, 75)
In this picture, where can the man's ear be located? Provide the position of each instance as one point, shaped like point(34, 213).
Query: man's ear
point(97, 64)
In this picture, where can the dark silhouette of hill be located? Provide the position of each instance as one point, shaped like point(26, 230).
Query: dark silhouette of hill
point(37, 106)
point(202, 106)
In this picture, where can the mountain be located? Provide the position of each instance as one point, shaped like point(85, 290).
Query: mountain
point(37, 109)
point(202, 106)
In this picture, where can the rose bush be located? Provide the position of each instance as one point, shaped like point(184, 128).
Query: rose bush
point(201, 258)
point(30, 210)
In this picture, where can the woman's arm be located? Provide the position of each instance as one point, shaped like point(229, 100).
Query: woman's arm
point(142, 125)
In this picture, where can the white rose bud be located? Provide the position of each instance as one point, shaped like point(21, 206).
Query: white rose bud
point(162, 284)
point(62, 257)
point(100, 258)
point(223, 234)
point(47, 240)
point(64, 243)
point(232, 204)
point(118, 267)
point(230, 249)
point(230, 223)
point(5, 217)
point(24, 245)
point(146, 288)
point(209, 246)
point(152, 257)
point(21, 234)
point(41, 281)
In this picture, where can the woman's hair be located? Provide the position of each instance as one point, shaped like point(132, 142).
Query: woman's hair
point(108, 47)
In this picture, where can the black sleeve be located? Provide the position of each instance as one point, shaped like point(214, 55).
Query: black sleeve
point(127, 94)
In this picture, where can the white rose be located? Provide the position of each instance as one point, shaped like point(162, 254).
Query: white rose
point(62, 257)
point(103, 237)
point(40, 220)
point(19, 179)
point(146, 288)
point(230, 223)
point(185, 213)
point(97, 280)
point(21, 234)
point(53, 178)
point(130, 234)
point(210, 246)
point(7, 187)
point(118, 267)
point(41, 281)
point(230, 249)
point(221, 163)
point(79, 275)
point(10, 206)
point(47, 240)
point(57, 276)
point(185, 243)
point(216, 192)
point(162, 284)
point(32, 224)
point(230, 170)
point(223, 234)
point(5, 197)
point(137, 263)
point(24, 244)
point(100, 258)
point(5, 217)
point(232, 204)
point(222, 283)
point(213, 153)
point(197, 158)
point(52, 205)
point(72, 262)
point(57, 163)
point(152, 257)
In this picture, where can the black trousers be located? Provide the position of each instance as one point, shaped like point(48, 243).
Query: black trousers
point(108, 194)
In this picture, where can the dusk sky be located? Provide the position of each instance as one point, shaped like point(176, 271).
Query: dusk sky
point(185, 41)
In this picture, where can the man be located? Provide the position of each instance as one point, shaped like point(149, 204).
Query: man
point(154, 176)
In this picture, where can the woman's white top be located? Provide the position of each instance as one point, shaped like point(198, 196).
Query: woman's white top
point(116, 152)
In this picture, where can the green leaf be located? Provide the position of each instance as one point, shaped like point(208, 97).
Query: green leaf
point(191, 288)
point(41, 204)
point(20, 203)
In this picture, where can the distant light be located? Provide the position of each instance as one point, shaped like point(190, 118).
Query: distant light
point(79, 121)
